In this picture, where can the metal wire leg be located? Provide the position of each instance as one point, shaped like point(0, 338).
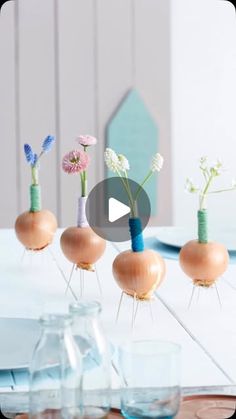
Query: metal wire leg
point(191, 298)
point(98, 280)
point(218, 295)
point(119, 306)
point(81, 276)
point(69, 281)
point(134, 310)
point(62, 273)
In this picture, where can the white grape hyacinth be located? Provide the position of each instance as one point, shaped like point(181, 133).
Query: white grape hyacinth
point(111, 160)
point(124, 163)
point(157, 162)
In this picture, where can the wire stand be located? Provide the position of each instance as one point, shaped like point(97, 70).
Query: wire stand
point(82, 280)
point(135, 307)
point(194, 287)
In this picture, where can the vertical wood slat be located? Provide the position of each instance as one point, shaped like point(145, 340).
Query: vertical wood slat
point(77, 93)
point(37, 94)
point(114, 64)
point(152, 80)
point(8, 157)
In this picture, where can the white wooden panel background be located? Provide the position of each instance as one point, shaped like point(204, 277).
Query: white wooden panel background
point(66, 66)
point(203, 103)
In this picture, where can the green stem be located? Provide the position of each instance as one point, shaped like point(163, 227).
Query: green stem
point(222, 190)
point(142, 184)
point(40, 155)
point(126, 186)
point(83, 178)
point(134, 212)
point(204, 193)
point(205, 175)
point(34, 172)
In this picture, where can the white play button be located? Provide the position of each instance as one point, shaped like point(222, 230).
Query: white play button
point(116, 210)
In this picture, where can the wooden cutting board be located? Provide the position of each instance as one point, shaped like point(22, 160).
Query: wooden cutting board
point(207, 407)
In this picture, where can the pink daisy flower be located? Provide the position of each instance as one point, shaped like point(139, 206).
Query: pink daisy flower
point(75, 161)
point(86, 140)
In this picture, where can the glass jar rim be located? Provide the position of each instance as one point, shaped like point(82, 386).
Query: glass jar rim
point(85, 308)
point(55, 320)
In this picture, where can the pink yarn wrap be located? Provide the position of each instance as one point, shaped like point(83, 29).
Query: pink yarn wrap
point(81, 217)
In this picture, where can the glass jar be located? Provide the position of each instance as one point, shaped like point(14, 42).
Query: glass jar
point(150, 373)
point(92, 344)
point(55, 371)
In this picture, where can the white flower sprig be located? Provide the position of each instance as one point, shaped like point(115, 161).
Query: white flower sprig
point(209, 172)
point(157, 163)
point(119, 164)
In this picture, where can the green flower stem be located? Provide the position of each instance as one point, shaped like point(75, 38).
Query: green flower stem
point(223, 190)
point(205, 175)
point(135, 210)
point(34, 172)
point(127, 188)
point(142, 184)
point(40, 155)
point(203, 195)
point(83, 178)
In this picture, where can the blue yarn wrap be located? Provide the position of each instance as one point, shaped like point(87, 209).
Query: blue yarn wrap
point(135, 228)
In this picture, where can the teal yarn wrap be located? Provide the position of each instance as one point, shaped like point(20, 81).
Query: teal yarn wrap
point(35, 198)
point(202, 226)
point(135, 228)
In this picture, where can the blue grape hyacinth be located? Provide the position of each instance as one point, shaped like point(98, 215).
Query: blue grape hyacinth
point(33, 158)
point(29, 155)
point(48, 143)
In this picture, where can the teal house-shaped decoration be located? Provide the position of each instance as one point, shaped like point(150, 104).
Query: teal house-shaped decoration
point(133, 132)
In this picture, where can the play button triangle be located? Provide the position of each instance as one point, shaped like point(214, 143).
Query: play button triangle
point(117, 210)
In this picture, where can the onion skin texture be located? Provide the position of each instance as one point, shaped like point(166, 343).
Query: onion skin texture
point(139, 273)
point(35, 230)
point(82, 246)
point(204, 262)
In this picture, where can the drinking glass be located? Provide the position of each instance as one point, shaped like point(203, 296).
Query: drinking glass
point(150, 374)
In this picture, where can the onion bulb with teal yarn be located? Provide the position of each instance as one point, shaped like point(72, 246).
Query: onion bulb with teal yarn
point(202, 260)
point(35, 230)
